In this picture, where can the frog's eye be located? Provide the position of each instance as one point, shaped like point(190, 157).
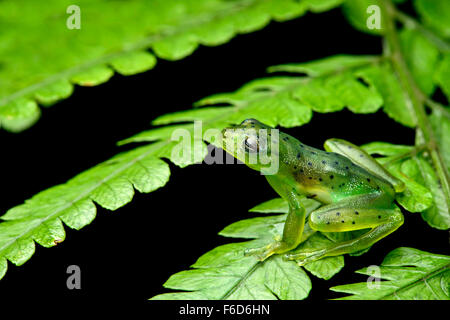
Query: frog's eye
point(251, 144)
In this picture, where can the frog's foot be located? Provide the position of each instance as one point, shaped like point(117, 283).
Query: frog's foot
point(305, 256)
point(264, 252)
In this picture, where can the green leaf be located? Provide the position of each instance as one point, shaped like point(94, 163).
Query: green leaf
point(220, 282)
point(134, 62)
point(333, 93)
point(385, 148)
point(110, 185)
point(53, 92)
point(335, 85)
point(285, 101)
point(322, 5)
point(275, 105)
point(18, 115)
point(396, 103)
point(324, 268)
point(410, 274)
point(358, 14)
point(441, 128)
point(436, 14)
point(3, 267)
point(93, 76)
point(225, 273)
point(113, 34)
point(423, 190)
point(421, 57)
point(416, 197)
point(327, 65)
point(259, 227)
point(181, 296)
point(377, 73)
point(242, 278)
point(277, 205)
point(441, 76)
point(286, 280)
point(437, 216)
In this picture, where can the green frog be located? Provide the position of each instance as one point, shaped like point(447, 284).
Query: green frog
point(356, 192)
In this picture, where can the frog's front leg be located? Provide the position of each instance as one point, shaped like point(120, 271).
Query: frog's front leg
point(356, 213)
point(292, 232)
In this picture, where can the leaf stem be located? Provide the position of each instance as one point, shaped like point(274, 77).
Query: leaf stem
point(413, 93)
point(241, 281)
point(431, 274)
point(414, 151)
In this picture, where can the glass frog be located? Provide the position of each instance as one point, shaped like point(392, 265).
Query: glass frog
point(356, 192)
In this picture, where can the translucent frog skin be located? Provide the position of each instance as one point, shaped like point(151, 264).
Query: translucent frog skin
point(355, 190)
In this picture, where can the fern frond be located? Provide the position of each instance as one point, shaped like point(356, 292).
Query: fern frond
point(423, 191)
point(224, 273)
point(117, 42)
point(110, 185)
point(285, 101)
point(411, 274)
point(436, 15)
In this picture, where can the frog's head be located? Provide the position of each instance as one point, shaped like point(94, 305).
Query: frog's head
point(253, 143)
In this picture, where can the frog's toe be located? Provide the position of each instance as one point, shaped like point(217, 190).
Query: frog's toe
point(252, 252)
point(310, 257)
point(305, 257)
point(260, 253)
point(289, 257)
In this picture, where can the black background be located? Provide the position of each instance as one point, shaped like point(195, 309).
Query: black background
point(129, 253)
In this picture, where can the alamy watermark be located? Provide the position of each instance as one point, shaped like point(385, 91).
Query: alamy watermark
point(74, 280)
point(373, 282)
point(74, 20)
point(374, 19)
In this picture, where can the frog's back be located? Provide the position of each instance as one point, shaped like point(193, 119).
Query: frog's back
point(329, 177)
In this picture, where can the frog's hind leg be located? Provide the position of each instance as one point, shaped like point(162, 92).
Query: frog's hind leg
point(356, 213)
point(362, 159)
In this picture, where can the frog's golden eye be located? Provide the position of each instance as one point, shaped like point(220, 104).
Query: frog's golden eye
point(251, 144)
